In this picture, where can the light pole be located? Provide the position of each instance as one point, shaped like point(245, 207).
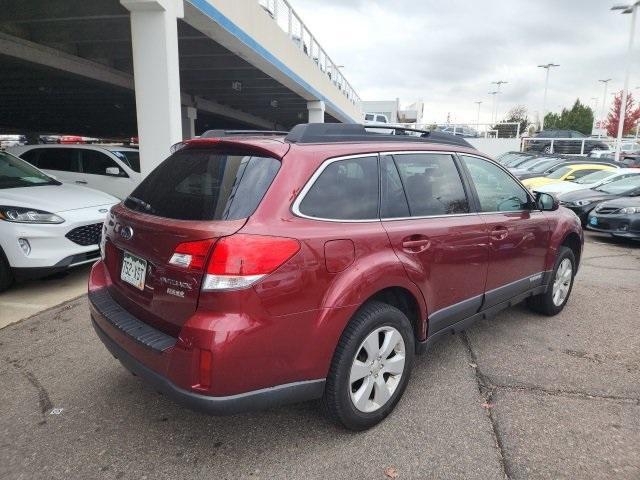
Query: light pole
point(595, 101)
point(604, 103)
point(547, 67)
point(632, 9)
point(493, 106)
point(478, 119)
point(498, 83)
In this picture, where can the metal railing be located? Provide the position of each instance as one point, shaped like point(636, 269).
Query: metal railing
point(291, 23)
point(569, 147)
point(483, 130)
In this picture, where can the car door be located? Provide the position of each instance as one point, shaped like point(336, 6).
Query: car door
point(94, 168)
point(62, 163)
point(518, 232)
point(442, 244)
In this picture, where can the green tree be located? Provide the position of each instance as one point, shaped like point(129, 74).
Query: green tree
point(516, 114)
point(579, 117)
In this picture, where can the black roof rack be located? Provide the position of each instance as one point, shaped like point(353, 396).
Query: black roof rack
point(235, 133)
point(355, 132)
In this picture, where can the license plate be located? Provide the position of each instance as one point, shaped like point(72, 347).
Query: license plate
point(593, 221)
point(134, 270)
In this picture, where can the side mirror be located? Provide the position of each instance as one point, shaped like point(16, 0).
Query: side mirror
point(571, 177)
point(113, 172)
point(547, 202)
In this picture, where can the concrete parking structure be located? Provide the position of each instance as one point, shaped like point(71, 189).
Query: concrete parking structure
point(521, 395)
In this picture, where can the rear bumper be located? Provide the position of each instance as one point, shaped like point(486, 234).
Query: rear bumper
point(244, 402)
point(155, 357)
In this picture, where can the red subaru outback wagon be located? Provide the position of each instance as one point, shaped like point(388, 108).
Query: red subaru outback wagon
point(251, 271)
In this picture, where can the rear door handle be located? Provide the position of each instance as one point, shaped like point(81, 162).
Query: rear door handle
point(499, 233)
point(416, 243)
point(81, 182)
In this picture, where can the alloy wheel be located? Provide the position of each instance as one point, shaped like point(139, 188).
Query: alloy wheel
point(562, 282)
point(377, 369)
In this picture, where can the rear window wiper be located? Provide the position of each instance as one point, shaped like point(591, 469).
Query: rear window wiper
point(146, 206)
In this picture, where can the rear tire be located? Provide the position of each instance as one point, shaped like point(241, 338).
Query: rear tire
point(370, 367)
point(555, 298)
point(6, 275)
point(546, 149)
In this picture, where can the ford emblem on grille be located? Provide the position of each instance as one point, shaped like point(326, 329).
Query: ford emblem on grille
point(126, 233)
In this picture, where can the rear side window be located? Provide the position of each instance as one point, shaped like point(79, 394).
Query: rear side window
point(432, 184)
point(345, 190)
point(198, 184)
point(393, 202)
point(61, 159)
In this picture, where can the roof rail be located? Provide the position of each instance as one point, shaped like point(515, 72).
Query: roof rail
point(233, 133)
point(355, 132)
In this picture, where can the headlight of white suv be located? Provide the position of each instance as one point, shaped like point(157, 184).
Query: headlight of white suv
point(629, 210)
point(28, 215)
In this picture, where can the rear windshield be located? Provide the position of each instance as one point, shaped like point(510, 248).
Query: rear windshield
point(197, 184)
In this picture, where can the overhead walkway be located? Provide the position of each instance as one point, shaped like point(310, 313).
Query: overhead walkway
point(163, 69)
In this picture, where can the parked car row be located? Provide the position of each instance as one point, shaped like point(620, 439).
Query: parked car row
point(602, 193)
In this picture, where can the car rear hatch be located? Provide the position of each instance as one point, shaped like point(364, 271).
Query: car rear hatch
point(158, 240)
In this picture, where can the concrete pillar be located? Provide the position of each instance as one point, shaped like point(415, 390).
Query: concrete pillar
point(316, 111)
point(154, 38)
point(189, 115)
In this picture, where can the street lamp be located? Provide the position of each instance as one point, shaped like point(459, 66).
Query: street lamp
point(478, 119)
point(498, 83)
point(547, 67)
point(604, 103)
point(493, 108)
point(633, 10)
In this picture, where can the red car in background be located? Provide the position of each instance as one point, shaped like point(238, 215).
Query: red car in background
point(251, 271)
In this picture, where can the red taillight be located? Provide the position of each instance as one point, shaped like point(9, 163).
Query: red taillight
point(240, 260)
point(191, 255)
point(205, 369)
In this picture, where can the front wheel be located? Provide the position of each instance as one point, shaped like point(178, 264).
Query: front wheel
point(370, 367)
point(555, 298)
point(546, 149)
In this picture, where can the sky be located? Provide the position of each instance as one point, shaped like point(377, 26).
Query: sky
point(447, 52)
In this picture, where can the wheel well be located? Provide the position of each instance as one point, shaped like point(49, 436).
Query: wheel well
point(572, 241)
point(403, 300)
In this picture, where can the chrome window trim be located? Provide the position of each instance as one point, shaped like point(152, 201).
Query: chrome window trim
point(295, 208)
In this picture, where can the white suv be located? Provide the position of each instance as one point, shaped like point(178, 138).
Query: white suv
point(45, 226)
point(111, 169)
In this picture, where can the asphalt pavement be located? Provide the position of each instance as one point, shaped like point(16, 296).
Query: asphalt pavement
point(519, 396)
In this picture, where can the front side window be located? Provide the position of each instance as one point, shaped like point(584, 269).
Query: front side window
point(432, 184)
point(345, 190)
point(203, 184)
point(497, 191)
point(130, 157)
point(368, 117)
point(96, 163)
